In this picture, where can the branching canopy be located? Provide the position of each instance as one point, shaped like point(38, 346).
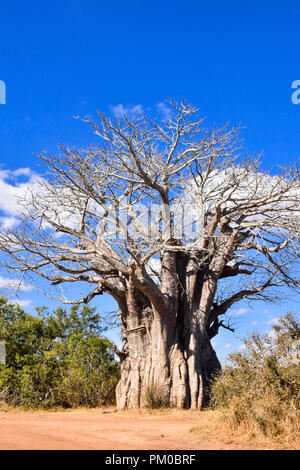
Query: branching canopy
point(115, 213)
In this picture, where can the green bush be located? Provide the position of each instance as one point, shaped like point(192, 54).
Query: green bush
point(57, 359)
point(260, 387)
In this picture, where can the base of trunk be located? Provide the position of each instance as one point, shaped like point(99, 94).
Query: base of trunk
point(158, 377)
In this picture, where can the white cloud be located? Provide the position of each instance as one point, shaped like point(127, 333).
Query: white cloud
point(10, 191)
point(251, 186)
point(228, 345)
point(271, 334)
point(242, 347)
point(6, 283)
point(131, 111)
point(272, 321)
point(8, 222)
point(23, 303)
point(240, 311)
point(164, 110)
point(254, 323)
point(22, 172)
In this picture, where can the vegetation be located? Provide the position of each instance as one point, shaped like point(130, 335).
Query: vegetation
point(177, 223)
point(55, 359)
point(260, 388)
point(156, 397)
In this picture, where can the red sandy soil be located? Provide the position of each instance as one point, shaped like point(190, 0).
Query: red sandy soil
point(106, 429)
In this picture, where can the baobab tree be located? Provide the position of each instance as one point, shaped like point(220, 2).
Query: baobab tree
point(177, 224)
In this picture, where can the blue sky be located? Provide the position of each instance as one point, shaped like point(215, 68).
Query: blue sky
point(235, 60)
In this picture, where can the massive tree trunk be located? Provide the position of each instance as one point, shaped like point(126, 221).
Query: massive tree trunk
point(167, 350)
point(158, 355)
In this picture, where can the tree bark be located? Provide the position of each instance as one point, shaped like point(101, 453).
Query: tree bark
point(168, 351)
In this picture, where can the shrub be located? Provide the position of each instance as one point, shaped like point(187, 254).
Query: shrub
point(156, 397)
point(260, 387)
point(57, 359)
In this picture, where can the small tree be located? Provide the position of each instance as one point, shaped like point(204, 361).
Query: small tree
point(176, 225)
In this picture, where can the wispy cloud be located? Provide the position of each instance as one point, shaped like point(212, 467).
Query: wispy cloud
point(120, 110)
point(240, 311)
point(271, 334)
point(164, 110)
point(6, 283)
point(8, 222)
point(12, 188)
point(22, 172)
point(23, 303)
point(272, 321)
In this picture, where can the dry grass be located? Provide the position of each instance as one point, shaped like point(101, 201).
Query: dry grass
point(213, 428)
point(149, 413)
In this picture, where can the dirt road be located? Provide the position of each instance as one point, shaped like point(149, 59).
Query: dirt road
point(103, 430)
